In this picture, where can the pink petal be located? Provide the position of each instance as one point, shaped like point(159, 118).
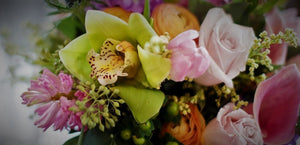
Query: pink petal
point(182, 38)
point(180, 66)
point(276, 105)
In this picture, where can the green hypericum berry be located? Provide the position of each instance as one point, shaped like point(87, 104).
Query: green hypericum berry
point(126, 134)
point(172, 143)
point(145, 126)
point(138, 141)
point(172, 109)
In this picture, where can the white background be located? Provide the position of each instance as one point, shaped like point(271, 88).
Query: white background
point(16, 125)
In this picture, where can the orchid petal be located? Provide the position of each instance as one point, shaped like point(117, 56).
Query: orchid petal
point(144, 104)
point(276, 105)
point(140, 29)
point(152, 66)
point(73, 57)
point(101, 25)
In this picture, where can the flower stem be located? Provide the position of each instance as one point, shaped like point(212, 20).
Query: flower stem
point(80, 140)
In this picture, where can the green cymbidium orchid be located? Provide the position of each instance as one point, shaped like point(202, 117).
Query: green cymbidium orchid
point(102, 27)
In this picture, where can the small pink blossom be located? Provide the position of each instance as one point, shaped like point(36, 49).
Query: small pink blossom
point(188, 60)
point(277, 21)
point(233, 127)
point(228, 46)
point(276, 105)
point(51, 92)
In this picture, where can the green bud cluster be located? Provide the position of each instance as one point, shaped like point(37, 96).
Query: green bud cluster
point(100, 106)
point(260, 49)
point(228, 93)
point(158, 44)
point(183, 104)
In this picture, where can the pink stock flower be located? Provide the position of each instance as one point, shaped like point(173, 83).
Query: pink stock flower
point(277, 21)
point(233, 127)
point(276, 105)
point(228, 46)
point(219, 2)
point(188, 60)
point(53, 93)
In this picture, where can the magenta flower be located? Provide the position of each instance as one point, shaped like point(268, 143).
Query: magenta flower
point(276, 105)
point(219, 2)
point(53, 93)
point(277, 21)
point(187, 59)
point(129, 5)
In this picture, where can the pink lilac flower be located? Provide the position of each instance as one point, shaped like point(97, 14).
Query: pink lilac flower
point(188, 60)
point(129, 5)
point(53, 94)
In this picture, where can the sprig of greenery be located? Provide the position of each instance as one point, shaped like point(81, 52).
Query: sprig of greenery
point(100, 106)
point(259, 51)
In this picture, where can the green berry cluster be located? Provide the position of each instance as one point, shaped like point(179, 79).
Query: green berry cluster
point(100, 106)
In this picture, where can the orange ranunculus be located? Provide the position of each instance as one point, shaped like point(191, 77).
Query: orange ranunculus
point(190, 129)
point(173, 19)
point(118, 12)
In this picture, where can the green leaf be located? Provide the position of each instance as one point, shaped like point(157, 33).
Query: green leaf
point(97, 137)
point(73, 56)
point(72, 141)
point(147, 10)
point(101, 25)
point(143, 103)
point(266, 7)
point(140, 29)
point(68, 26)
point(156, 67)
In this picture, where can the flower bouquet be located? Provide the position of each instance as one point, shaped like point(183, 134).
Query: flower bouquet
point(170, 72)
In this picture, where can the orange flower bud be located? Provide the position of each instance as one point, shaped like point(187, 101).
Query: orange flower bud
point(173, 19)
point(118, 12)
point(190, 129)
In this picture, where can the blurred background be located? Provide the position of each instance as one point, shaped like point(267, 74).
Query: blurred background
point(21, 21)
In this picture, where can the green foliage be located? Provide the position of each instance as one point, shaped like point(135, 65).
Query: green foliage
point(70, 26)
point(72, 141)
point(199, 8)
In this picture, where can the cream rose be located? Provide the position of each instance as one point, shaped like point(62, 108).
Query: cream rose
point(228, 45)
point(233, 127)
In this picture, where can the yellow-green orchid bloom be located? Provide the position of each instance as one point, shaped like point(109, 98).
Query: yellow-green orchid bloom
point(108, 49)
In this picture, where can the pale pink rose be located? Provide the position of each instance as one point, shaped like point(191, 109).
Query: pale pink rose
point(187, 59)
point(232, 127)
point(276, 105)
point(228, 45)
point(277, 21)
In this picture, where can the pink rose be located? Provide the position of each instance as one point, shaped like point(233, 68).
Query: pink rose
point(228, 45)
point(232, 127)
point(277, 21)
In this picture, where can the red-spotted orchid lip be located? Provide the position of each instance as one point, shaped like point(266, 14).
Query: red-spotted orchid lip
point(113, 59)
